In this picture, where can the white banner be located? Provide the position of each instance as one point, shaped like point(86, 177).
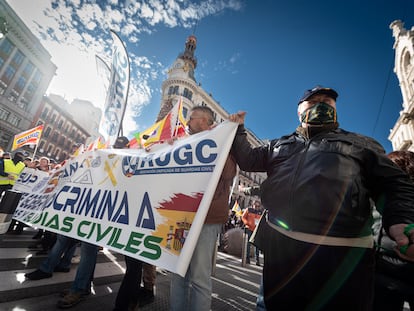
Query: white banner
point(116, 98)
point(141, 204)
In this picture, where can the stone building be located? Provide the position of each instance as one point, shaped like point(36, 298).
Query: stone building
point(402, 134)
point(26, 70)
point(60, 132)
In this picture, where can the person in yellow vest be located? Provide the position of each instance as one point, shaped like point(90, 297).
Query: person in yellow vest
point(12, 169)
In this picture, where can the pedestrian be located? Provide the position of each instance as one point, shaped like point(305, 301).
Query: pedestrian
point(318, 245)
point(58, 259)
point(250, 218)
point(393, 274)
point(193, 292)
point(10, 170)
point(81, 286)
point(47, 238)
point(12, 167)
point(130, 292)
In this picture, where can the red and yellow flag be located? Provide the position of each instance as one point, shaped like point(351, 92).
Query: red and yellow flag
point(173, 125)
point(29, 137)
point(236, 208)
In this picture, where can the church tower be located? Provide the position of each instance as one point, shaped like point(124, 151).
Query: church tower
point(182, 85)
point(181, 80)
point(402, 135)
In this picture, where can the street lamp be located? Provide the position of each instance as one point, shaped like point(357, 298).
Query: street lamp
point(3, 27)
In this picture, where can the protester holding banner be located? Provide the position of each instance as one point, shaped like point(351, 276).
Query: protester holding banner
point(47, 238)
point(81, 286)
point(194, 290)
point(12, 169)
point(317, 240)
point(130, 292)
point(58, 259)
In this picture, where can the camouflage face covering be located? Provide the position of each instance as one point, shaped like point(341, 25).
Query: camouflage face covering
point(318, 114)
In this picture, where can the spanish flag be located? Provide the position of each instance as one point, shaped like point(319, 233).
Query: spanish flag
point(29, 137)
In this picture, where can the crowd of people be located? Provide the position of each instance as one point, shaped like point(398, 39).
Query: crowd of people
point(313, 221)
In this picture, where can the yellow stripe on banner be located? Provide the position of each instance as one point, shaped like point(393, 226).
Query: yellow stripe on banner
point(111, 175)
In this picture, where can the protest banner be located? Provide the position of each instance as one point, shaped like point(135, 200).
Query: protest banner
point(147, 205)
point(117, 94)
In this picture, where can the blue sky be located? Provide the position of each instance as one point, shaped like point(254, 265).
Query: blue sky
point(257, 56)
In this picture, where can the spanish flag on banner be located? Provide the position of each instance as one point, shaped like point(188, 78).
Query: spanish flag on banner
point(236, 208)
point(29, 137)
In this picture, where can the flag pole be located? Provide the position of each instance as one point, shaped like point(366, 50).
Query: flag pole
point(34, 153)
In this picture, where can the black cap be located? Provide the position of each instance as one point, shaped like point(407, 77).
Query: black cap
point(319, 90)
point(121, 142)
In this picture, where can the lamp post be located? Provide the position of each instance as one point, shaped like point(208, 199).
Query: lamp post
point(3, 27)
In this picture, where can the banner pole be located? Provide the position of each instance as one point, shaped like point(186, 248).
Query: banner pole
point(34, 152)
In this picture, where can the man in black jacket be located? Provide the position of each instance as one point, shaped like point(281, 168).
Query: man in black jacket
point(318, 250)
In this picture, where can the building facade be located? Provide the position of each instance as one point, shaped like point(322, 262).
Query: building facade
point(26, 70)
point(402, 134)
point(182, 85)
point(60, 132)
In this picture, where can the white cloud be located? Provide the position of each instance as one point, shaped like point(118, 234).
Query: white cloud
point(75, 31)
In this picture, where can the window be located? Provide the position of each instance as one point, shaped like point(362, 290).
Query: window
point(60, 124)
point(28, 69)
point(55, 137)
point(4, 114)
point(47, 132)
point(185, 112)
point(187, 93)
point(37, 78)
point(170, 90)
point(44, 113)
point(14, 120)
point(173, 90)
point(30, 92)
point(23, 103)
point(3, 87)
point(8, 74)
point(21, 82)
point(6, 47)
point(13, 96)
point(17, 59)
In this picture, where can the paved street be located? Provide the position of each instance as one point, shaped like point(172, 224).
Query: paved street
point(234, 287)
